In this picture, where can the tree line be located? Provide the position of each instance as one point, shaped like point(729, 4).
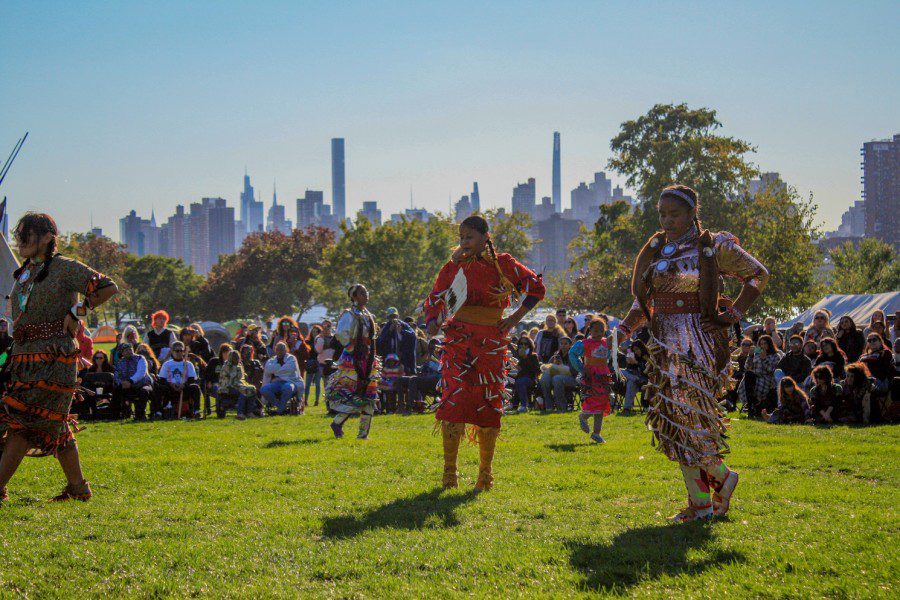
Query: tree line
point(277, 273)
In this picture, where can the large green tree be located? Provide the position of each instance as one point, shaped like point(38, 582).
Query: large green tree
point(510, 232)
point(397, 262)
point(779, 228)
point(161, 282)
point(268, 276)
point(872, 267)
point(106, 256)
point(677, 144)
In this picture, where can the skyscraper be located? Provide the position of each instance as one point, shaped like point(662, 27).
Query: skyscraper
point(276, 220)
point(310, 209)
point(372, 213)
point(881, 189)
point(130, 233)
point(475, 198)
point(557, 194)
point(338, 182)
point(523, 197)
point(247, 197)
point(251, 209)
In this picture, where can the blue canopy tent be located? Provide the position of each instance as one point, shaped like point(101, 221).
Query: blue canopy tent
point(858, 307)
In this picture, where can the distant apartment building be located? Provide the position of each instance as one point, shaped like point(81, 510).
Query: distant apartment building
point(551, 254)
point(587, 198)
point(462, 209)
point(140, 236)
point(881, 189)
point(766, 181)
point(523, 198)
point(412, 214)
point(853, 222)
point(371, 213)
point(312, 210)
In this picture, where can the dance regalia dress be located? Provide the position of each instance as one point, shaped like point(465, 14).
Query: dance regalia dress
point(596, 378)
point(688, 368)
point(353, 387)
point(475, 354)
point(44, 356)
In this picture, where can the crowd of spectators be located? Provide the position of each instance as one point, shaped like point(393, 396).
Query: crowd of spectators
point(826, 373)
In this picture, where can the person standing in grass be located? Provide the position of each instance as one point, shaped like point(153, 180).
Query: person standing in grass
point(34, 417)
point(676, 283)
point(590, 357)
point(353, 388)
point(476, 338)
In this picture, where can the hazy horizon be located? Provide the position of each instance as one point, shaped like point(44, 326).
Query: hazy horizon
point(140, 106)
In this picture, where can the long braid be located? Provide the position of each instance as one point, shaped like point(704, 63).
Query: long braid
point(505, 283)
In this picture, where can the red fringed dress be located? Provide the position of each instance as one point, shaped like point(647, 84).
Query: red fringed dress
point(475, 351)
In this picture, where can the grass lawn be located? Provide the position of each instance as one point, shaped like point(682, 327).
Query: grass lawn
point(276, 507)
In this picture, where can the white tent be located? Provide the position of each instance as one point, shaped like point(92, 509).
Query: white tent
point(8, 265)
point(858, 307)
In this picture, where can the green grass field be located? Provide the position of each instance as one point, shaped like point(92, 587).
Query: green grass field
point(276, 507)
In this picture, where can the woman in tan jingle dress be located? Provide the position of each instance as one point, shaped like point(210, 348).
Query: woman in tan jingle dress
point(34, 413)
point(676, 283)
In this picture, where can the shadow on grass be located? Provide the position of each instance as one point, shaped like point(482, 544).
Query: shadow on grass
point(282, 443)
point(404, 513)
point(647, 553)
point(565, 447)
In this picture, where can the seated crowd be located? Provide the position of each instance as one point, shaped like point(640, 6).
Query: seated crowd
point(822, 374)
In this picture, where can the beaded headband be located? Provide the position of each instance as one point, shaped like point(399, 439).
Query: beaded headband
point(681, 195)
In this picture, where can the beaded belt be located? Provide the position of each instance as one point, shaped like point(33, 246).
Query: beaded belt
point(40, 331)
point(479, 315)
point(676, 303)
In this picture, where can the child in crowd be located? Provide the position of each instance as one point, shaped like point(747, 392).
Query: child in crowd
point(391, 372)
point(825, 397)
point(231, 381)
point(793, 405)
point(590, 357)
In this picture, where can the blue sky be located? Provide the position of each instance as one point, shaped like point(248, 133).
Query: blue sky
point(153, 104)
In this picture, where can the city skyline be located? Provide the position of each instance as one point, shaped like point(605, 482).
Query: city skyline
point(147, 107)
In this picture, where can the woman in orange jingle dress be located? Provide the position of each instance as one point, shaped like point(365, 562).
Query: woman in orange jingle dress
point(471, 291)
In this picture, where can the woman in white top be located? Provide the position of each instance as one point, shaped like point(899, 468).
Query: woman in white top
point(353, 388)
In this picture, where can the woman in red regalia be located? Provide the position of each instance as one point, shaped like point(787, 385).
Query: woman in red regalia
point(469, 297)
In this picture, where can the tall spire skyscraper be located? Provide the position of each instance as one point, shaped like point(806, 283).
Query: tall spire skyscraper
point(557, 185)
point(338, 182)
point(475, 198)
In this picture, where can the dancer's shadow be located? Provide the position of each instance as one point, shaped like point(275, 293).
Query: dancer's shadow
point(565, 447)
point(644, 554)
point(281, 443)
point(404, 513)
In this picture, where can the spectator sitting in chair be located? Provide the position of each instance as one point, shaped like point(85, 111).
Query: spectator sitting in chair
point(547, 342)
point(254, 339)
point(152, 364)
point(231, 381)
point(132, 382)
point(635, 363)
point(558, 378)
point(528, 372)
point(397, 337)
point(95, 376)
point(427, 379)
point(159, 337)
point(281, 379)
point(129, 336)
point(178, 383)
